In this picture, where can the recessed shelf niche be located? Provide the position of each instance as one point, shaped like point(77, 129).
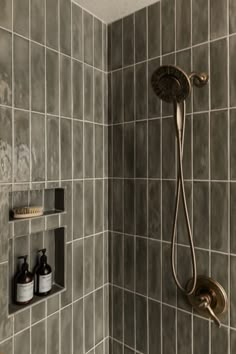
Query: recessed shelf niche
point(54, 242)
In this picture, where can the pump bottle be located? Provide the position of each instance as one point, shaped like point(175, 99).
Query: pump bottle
point(24, 284)
point(43, 276)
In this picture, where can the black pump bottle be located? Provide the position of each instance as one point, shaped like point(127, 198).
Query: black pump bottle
point(43, 276)
point(24, 284)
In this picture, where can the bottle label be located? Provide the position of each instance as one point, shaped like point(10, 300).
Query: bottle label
point(45, 283)
point(24, 292)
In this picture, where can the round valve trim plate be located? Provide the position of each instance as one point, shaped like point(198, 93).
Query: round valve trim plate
point(210, 287)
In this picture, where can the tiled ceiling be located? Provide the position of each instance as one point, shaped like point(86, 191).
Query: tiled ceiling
point(111, 10)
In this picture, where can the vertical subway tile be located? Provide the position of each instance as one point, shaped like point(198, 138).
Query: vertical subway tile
point(88, 322)
point(154, 322)
point(154, 209)
point(65, 26)
point(201, 146)
point(232, 218)
point(141, 207)
point(21, 21)
point(154, 149)
point(66, 296)
point(154, 269)
point(38, 146)
point(98, 222)
point(141, 324)
point(38, 335)
point(141, 89)
point(219, 216)
point(141, 149)
point(21, 72)
point(219, 145)
point(77, 149)
point(128, 87)
point(200, 335)
point(38, 21)
point(52, 81)
point(232, 48)
point(6, 144)
point(52, 148)
point(78, 209)
point(183, 24)
point(52, 23)
point(88, 150)
point(168, 196)
point(98, 96)
point(77, 80)
point(117, 201)
point(141, 266)
point(77, 32)
point(233, 291)
point(141, 35)
point(22, 342)
point(118, 261)
point(233, 340)
point(66, 330)
point(168, 148)
point(117, 304)
point(53, 334)
point(232, 12)
point(78, 269)
point(168, 287)
point(129, 150)
point(98, 299)
point(88, 93)
point(183, 60)
point(232, 144)
point(38, 312)
point(218, 18)
point(117, 102)
point(6, 14)
point(154, 30)
point(154, 102)
point(169, 330)
point(37, 77)
point(184, 338)
point(6, 347)
point(21, 147)
point(200, 65)
point(201, 214)
point(66, 149)
point(65, 86)
point(219, 90)
point(6, 67)
point(99, 164)
point(168, 32)
point(88, 208)
point(98, 43)
point(219, 340)
point(128, 40)
point(129, 206)
point(78, 337)
point(116, 45)
point(129, 318)
point(88, 38)
point(199, 21)
point(129, 262)
point(100, 254)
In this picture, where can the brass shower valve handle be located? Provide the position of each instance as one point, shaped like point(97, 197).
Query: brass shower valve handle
point(205, 304)
point(209, 298)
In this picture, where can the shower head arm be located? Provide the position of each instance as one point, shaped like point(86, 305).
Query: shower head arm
point(199, 80)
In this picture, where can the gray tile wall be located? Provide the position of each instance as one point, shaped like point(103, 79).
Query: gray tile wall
point(147, 313)
point(53, 132)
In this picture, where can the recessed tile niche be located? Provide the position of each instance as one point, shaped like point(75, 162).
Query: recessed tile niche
point(27, 236)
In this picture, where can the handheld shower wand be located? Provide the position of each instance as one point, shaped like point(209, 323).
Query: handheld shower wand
point(173, 85)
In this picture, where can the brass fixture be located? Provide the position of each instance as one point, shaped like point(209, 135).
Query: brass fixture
point(199, 80)
point(209, 298)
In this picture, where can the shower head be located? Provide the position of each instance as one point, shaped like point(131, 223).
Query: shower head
point(171, 84)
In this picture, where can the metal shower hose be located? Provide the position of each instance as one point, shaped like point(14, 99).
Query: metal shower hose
point(180, 186)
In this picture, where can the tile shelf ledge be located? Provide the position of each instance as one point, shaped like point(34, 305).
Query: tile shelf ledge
point(45, 214)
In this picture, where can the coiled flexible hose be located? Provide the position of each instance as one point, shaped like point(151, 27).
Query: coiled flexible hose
point(180, 129)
